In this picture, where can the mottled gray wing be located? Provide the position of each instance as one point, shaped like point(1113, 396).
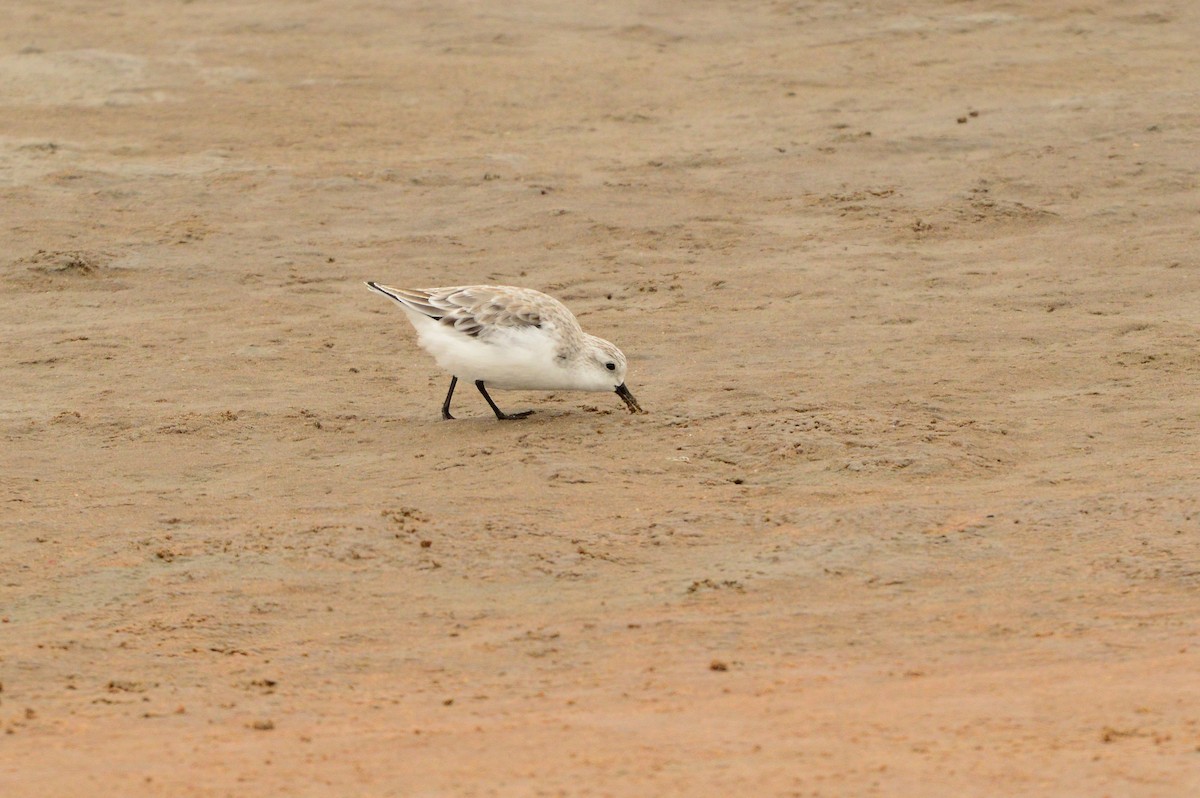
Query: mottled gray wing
point(473, 310)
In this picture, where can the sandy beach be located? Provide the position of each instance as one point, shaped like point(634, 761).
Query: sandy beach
point(909, 290)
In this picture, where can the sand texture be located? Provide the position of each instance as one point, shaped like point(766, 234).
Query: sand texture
point(910, 290)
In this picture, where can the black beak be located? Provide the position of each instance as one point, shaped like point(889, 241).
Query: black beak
point(627, 397)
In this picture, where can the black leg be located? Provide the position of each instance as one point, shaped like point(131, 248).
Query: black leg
point(446, 404)
point(500, 414)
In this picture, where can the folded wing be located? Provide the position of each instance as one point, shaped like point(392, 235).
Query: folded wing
point(474, 310)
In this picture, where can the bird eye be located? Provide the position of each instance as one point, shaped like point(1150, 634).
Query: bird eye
point(610, 366)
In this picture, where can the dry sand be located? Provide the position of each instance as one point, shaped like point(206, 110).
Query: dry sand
point(910, 289)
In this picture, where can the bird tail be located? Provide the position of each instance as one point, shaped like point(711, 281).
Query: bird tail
point(417, 300)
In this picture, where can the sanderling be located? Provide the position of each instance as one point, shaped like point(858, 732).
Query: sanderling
point(512, 338)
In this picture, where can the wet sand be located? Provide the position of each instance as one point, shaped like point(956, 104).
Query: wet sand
point(910, 291)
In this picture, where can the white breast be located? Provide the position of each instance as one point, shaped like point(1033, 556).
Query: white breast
point(512, 358)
